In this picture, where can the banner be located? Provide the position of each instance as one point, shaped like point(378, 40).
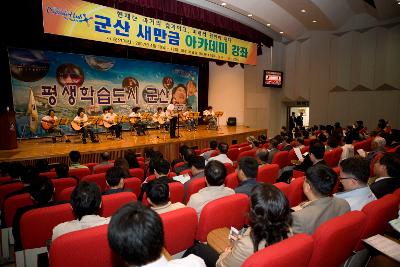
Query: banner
point(74, 18)
point(43, 80)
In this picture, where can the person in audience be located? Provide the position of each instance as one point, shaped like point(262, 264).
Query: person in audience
point(262, 156)
point(158, 197)
point(75, 157)
point(186, 156)
point(332, 143)
point(105, 160)
point(86, 203)
point(124, 165)
point(115, 180)
point(136, 234)
point(254, 143)
point(378, 147)
point(156, 156)
point(247, 174)
point(286, 140)
point(42, 165)
point(222, 157)
point(272, 149)
point(387, 169)
point(196, 165)
point(62, 170)
point(182, 151)
point(354, 174)
point(213, 146)
point(130, 156)
point(41, 191)
point(161, 170)
point(348, 148)
point(318, 185)
point(300, 142)
point(215, 173)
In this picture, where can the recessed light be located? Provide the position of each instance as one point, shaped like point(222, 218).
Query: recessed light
point(250, 15)
point(268, 24)
point(303, 11)
point(314, 21)
point(223, 4)
point(281, 32)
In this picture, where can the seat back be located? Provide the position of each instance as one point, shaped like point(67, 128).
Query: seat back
point(233, 153)
point(90, 165)
point(335, 239)
point(65, 195)
point(137, 172)
point(188, 171)
point(281, 158)
point(244, 148)
point(307, 141)
point(180, 223)
point(79, 173)
point(177, 165)
point(214, 153)
point(7, 189)
point(292, 155)
point(231, 180)
point(296, 194)
point(229, 168)
point(223, 212)
point(194, 187)
point(268, 173)
point(332, 157)
point(98, 178)
point(62, 183)
point(248, 153)
point(284, 187)
point(397, 193)
point(293, 251)
point(133, 184)
point(102, 168)
point(12, 204)
point(50, 175)
point(111, 203)
point(77, 249)
point(36, 226)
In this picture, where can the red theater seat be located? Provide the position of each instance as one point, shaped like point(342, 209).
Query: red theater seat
point(281, 158)
point(195, 187)
point(284, 187)
point(332, 157)
point(296, 194)
point(229, 168)
point(7, 189)
point(65, 195)
point(268, 173)
point(248, 153)
point(233, 153)
point(50, 175)
point(102, 168)
point(61, 183)
point(90, 165)
point(111, 203)
point(98, 178)
point(79, 173)
point(12, 204)
point(133, 184)
point(231, 180)
point(176, 193)
point(137, 172)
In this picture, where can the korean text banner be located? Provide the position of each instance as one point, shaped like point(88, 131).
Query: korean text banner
point(90, 21)
point(65, 82)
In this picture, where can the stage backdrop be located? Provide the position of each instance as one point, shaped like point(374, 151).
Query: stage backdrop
point(43, 80)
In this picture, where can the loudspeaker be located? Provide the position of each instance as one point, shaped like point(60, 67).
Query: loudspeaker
point(231, 121)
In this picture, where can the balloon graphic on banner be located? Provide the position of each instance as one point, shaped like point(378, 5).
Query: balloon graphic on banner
point(100, 63)
point(28, 65)
point(70, 74)
point(168, 82)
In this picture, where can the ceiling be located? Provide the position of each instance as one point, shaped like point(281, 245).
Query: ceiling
point(275, 16)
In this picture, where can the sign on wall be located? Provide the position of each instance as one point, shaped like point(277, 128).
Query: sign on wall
point(64, 82)
point(74, 18)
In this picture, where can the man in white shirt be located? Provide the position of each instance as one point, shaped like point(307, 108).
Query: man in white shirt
point(48, 123)
point(86, 203)
point(354, 174)
point(215, 173)
point(81, 122)
point(387, 169)
point(135, 118)
point(136, 234)
point(222, 157)
point(111, 122)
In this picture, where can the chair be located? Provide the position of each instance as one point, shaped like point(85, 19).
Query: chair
point(335, 239)
point(229, 168)
point(180, 223)
point(293, 251)
point(292, 156)
point(133, 184)
point(99, 179)
point(231, 180)
point(295, 193)
point(244, 144)
point(281, 158)
point(214, 153)
point(284, 187)
point(111, 203)
point(307, 141)
point(65, 195)
point(248, 153)
point(297, 174)
point(90, 165)
point(62, 183)
point(378, 213)
point(332, 157)
point(102, 168)
point(5, 179)
point(223, 212)
point(194, 187)
point(137, 172)
point(50, 175)
point(280, 147)
point(7, 189)
point(233, 153)
point(397, 193)
point(234, 146)
point(268, 173)
point(188, 171)
point(78, 249)
point(79, 173)
point(179, 164)
point(245, 148)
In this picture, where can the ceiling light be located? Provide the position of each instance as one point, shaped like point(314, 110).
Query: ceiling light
point(303, 11)
point(268, 24)
point(314, 21)
point(223, 4)
point(281, 32)
point(249, 15)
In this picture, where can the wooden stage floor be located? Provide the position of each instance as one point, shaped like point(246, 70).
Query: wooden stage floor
point(29, 151)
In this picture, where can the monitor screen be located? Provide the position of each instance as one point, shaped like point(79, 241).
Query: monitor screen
point(273, 78)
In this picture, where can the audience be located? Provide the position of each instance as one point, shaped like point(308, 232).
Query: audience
point(75, 157)
point(115, 180)
point(124, 165)
point(378, 147)
point(272, 150)
point(105, 160)
point(186, 156)
point(348, 148)
point(262, 156)
point(354, 174)
point(213, 146)
point(62, 170)
point(196, 165)
point(387, 169)
point(158, 197)
point(136, 234)
point(130, 156)
point(222, 157)
point(247, 174)
point(318, 185)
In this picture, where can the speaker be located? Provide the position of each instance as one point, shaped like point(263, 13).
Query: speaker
point(231, 121)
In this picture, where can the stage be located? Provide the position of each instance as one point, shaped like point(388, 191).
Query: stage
point(29, 151)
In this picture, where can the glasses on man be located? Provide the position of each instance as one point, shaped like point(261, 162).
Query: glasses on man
point(345, 178)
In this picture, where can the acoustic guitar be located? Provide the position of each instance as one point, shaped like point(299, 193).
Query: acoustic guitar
point(77, 126)
point(47, 124)
point(117, 120)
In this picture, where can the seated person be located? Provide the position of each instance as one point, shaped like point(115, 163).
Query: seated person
point(378, 147)
point(86, 203)
point(222, 157)
point(105, 160)
point(48, 123)
point(124, 165)
point(247, 174)
point(196, 165)
point(81, 121)
point(387, 169)
point(130, 156)
point(62, 170)
point(262, 156)
point(272, 149)
point(354, 174)
point(75, 157)
point(158, 197)
point(213, 147)
point(187, 154)
point(136, 234)
point(215, 173)
point(318, 185)
point(348, 148)
point(115, 180)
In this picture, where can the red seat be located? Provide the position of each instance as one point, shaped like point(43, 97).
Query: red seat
point(284, 187)
point(12, 204)
point(245, 148)
point(234, 146)
point(332, 157)
point(137, 172)
point(65, 195)
point(214, 153)
point(268, 173)
point(79, 173)
point(233, 153)
point(297, 174)
point(179, 164)
point(229, 168)
point(176, 193)
point(50, 175)
point(292, 155)
point(61, 183)
point(188, 171)
point(141, 164)
point(293, 251)
point(248, 153)
point(36, 226)
point(7, 189)
point(133, 184)
point(102, 168)
point(397, 193)
point(223, 212)
point(280, 147)
point(88, 247)
point(5, 179)
point(231, 180)
point(98, 178)
point(335, 239)
point(180, 223)
point(111, 203)
point(307, 141)
point(378, 213)
point(244, 144)
point(194, 187)
point(296, 194)
point(281, 158)
point(90, 165)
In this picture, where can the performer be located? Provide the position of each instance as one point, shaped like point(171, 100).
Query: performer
point(189, 120)
point(80, 124)
point(209, 117)
point(48, 124)
point(159, 117)
point(135, 119)
point(171, 114)
point(110, 121)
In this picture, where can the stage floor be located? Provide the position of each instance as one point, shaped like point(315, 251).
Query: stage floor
point(33, 149)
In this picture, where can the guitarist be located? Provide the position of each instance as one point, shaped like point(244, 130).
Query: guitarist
point(173, 118)
point(48, 124)
point(81, 125)
point(159, 117)
point(135, 119)
point(188, 118)
point(110, 122)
